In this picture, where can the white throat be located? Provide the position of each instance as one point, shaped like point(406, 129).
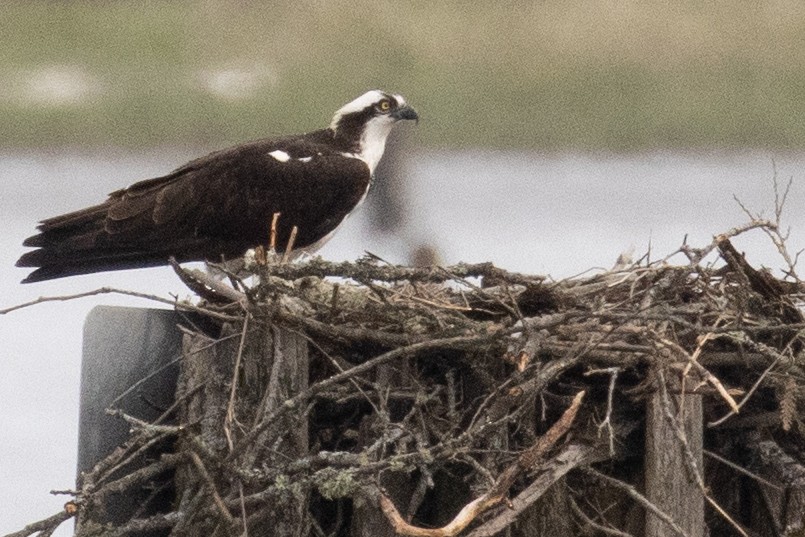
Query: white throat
point(373, 141)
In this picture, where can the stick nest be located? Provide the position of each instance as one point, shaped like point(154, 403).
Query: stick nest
point(465, 399)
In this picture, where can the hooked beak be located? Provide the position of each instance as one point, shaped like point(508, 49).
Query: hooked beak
point(405, 112)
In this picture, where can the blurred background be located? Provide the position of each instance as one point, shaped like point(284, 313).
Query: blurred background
point(554, 135)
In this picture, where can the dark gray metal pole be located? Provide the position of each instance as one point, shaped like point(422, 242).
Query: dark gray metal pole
point(130, 362)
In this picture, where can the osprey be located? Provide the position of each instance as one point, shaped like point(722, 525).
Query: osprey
point(223, 204)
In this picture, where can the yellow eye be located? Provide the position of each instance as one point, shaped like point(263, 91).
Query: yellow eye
point(384, 105)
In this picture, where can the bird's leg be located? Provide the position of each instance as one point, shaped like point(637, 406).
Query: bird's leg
point(272, 242)
point(289, 246)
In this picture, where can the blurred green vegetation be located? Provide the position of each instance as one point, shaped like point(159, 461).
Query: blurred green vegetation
point(557, 74)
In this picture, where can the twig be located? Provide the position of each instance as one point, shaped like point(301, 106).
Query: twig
point(639, 498)
point(230, 415)
point(572, 456)
point(230, 407)
point(243, 516)
point(141, 381)
point(748, 395)
point(219, 503)
point(139, 525)
point(606, 530)
point(709, 377)
point(181, 306)
point(340, 369)
point(742, 470)
point(778, 238)
point(207, 287)
point(695, 256)
point(393, 273)
point(48, 524)
point(150, 429)
point(166, 462)
point(607, 423)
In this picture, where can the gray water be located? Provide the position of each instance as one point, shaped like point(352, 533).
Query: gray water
point(557, 214)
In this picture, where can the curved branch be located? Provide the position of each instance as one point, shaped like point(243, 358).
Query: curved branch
point(524, 463)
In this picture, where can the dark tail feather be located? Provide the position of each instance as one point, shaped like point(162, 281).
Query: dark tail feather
point(95, 251)
point(77, 243)
point(59, 262)
point(54, 231)
point(88, 266)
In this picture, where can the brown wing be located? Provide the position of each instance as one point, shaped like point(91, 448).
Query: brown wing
point(219, 205)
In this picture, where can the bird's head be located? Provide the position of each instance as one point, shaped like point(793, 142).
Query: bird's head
point(374, 107)
point(365, 123)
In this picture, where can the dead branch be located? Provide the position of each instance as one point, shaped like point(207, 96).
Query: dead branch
point(368, 271)
point(707, 375)
point(639, 498)
point(208, 288)
point(525, 462)
point(180, 306)
point(571, 457)
point(595, 526)
point(219, 503)
point(48, 524)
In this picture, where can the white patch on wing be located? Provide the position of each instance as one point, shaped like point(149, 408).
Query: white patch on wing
point(281, 156)
point(305, 159)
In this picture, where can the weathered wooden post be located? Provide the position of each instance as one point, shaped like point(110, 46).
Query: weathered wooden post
point(783, 488)
point(669, 483)
point(229, 385)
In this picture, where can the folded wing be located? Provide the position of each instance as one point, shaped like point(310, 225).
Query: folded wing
point(217, 206)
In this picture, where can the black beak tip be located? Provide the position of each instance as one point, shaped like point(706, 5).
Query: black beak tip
point(406, 112)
